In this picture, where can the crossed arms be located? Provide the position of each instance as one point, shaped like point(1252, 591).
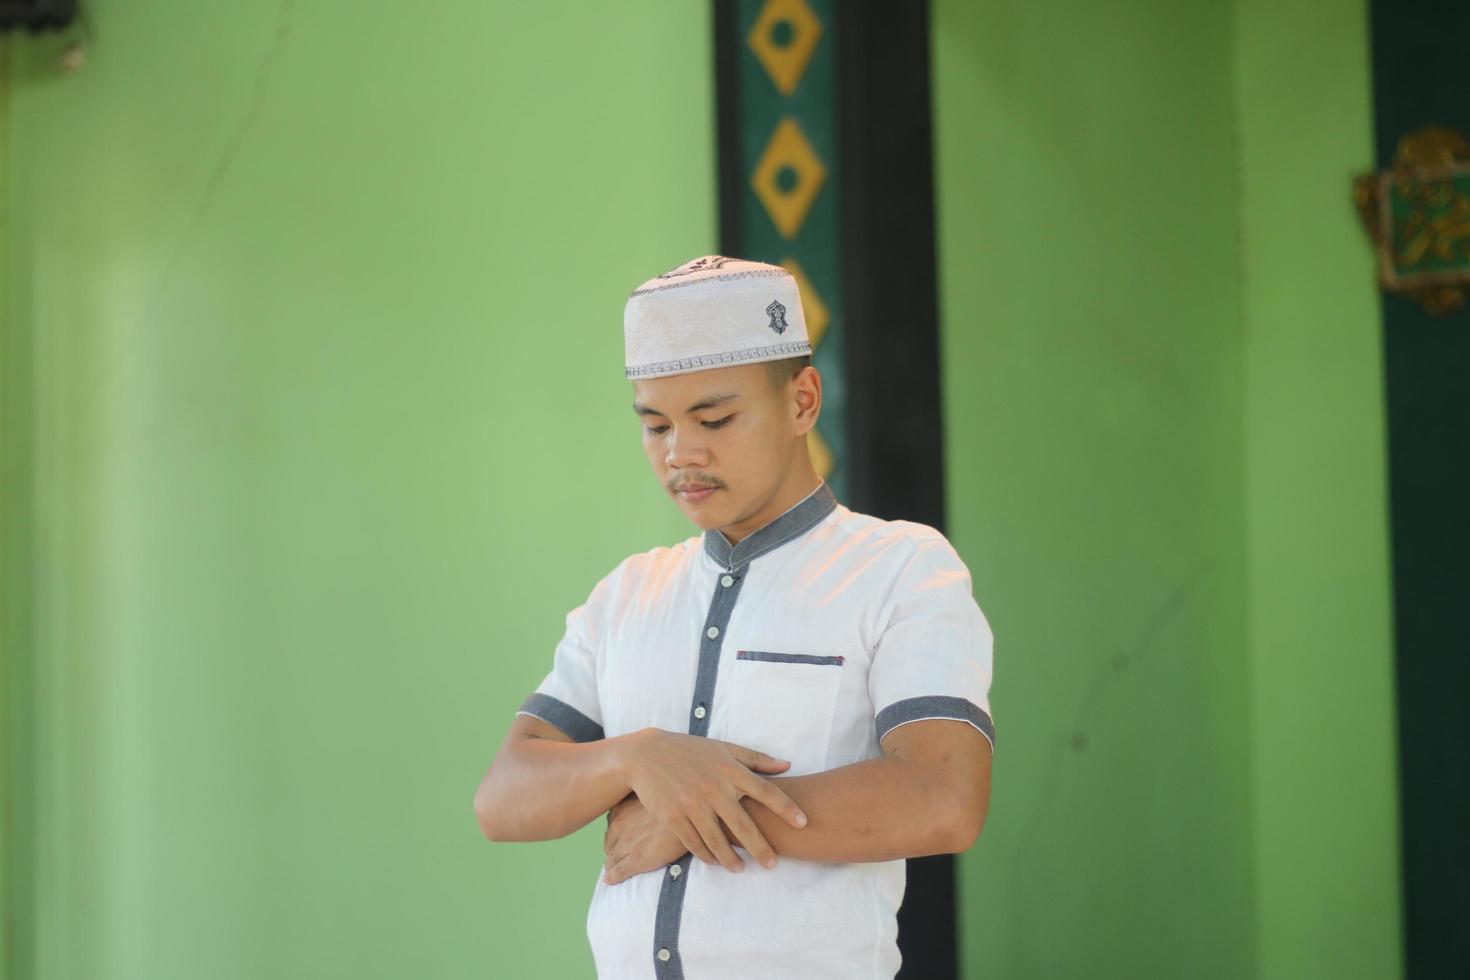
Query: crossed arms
point(667, 793)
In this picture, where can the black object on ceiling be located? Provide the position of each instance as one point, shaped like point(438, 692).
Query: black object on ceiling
point(36, 15)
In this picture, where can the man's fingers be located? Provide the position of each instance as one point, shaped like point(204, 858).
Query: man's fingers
point(757, 760)
point(709, 829)
point(775, 799)
point(689, 837)
point(746, 830)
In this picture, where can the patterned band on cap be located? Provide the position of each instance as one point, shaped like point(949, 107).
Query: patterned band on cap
point(771, 353)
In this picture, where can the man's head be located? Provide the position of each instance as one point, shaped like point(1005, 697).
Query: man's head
point(720, 361)
point(739, 431)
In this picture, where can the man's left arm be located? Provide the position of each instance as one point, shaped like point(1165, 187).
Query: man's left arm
point(927, 794)
point(929, 683)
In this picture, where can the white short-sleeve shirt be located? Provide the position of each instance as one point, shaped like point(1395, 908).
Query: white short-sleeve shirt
point(809, 639)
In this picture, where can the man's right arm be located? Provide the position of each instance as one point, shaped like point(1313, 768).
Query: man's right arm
point(543, 785)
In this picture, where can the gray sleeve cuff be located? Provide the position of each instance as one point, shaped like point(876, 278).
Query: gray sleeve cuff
point(562, 715)
point(935, 706)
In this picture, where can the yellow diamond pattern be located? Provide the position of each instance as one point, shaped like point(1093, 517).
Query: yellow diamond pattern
point(817, 315)
point(788, 177)
point(783, 39)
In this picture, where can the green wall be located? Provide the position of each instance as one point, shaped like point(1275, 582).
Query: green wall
point(301, 468)
point(1322, 690)
point(320, 318)
point(1163, 412)
point(13, 557)
point(1091, 355)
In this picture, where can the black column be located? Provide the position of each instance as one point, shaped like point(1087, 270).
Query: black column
point(888, 442)
point(895, 433)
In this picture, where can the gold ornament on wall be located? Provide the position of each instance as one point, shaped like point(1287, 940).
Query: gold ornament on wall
point(1418, 215)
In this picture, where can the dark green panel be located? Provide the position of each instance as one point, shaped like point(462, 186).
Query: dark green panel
point(813, 242)
point(1421, 74)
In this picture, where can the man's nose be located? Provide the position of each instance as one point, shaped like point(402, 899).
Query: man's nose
point(685, 448)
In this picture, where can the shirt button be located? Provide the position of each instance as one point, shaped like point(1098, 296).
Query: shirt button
point(727, 581)
point(712, 632)
point(674, 870)
point(698, 713)
point(663, 954)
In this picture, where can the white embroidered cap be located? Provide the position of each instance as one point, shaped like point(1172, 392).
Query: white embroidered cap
point(713, 312)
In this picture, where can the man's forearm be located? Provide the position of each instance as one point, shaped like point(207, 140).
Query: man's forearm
point(542, 789)
point(875, 810)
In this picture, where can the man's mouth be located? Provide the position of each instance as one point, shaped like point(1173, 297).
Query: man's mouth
point(695, 492)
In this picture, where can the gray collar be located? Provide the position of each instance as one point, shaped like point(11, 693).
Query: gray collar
point(798, 519)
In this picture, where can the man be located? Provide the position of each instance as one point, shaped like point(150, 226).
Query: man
point(800, 684)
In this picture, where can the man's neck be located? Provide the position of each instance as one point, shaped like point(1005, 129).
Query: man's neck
point(779, 505)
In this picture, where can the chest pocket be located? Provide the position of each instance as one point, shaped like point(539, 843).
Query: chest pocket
point(783, 704)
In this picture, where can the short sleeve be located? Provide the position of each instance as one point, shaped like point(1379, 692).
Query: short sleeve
point(567, 696)
point(933, 655)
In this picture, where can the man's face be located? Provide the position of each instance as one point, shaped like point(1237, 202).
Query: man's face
point(726, 429)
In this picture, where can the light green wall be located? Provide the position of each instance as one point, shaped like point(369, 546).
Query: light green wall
point(1322, 691)
point(1163, 426)
point(13, 556)
point(1091, 384)
point(328, 433)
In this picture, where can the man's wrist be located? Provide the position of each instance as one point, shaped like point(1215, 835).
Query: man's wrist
point(624, 756)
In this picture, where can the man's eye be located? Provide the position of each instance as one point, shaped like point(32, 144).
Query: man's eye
point(658, 430)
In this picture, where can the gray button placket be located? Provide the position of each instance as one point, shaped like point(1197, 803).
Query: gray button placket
point(735, 565)
point(721, 606)
point(666, 963)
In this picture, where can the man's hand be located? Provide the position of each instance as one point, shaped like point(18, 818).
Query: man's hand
point(689, 784)
point(635, 842)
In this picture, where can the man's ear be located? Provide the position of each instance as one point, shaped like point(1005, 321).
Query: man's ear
point(808, 391)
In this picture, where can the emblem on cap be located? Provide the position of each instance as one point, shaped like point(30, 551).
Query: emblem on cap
point(695, 265)
point(777, 313)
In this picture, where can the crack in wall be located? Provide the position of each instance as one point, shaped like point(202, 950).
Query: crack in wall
point(1131, 656)
point(263, 71)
